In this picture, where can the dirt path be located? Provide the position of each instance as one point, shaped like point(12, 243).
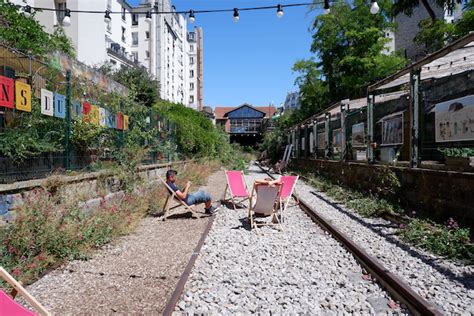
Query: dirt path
point(134, 275)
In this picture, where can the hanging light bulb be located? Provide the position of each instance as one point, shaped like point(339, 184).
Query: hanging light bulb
point(279, 11)
point(148, 17)
point(27, 10)
point(191, 17)
point(374, 7)
point(107, 17)
point(327, 8)
point(236, 15)
point(67, 18)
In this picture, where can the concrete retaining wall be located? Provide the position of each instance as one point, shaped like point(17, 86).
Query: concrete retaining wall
point(440, 194)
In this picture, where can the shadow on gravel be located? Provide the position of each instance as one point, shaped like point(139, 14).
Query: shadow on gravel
point(466, 280)
point(245, 224)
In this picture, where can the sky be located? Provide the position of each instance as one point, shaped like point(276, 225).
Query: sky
point(250, 61)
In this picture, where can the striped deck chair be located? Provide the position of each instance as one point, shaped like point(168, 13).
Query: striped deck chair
point(9, 307)
point(266, 200)
point(236, 186)
point(287, 190)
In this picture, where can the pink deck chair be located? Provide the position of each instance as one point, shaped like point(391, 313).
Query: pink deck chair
point(236, 186)
point(287, 190)
point(11, 308)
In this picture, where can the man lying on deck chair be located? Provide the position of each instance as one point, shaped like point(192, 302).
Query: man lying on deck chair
point(190, 198)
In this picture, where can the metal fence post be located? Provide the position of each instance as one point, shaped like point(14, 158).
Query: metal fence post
point(414, 118)
point(68, 121)
point(315, 138)
point(327, 126)
point(370, 128)
point(343, 132)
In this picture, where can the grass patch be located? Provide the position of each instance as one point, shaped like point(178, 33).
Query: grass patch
point(50, 229)
point(448, 240)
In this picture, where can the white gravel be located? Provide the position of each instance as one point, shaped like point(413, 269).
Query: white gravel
point(299, 270)
point(445, 284)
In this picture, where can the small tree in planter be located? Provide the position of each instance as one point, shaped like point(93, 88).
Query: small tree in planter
point(458, 156)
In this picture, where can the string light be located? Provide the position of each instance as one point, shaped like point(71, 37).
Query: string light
point(67, 18)
point(191, 17)
point(27, 10)
point(107, 17)
point(236, 15)
point(327, 8)
point(148, 17)
point(279, 11)
point(374, 7)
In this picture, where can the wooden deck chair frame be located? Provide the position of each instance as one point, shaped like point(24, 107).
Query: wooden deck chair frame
point(284, 203)
point(228, 188)
point(172, 196)
point(18, 288)
point(275, 220)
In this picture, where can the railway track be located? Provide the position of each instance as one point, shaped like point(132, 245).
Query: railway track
point(392, 283)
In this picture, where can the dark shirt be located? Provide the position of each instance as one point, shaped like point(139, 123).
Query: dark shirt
point(175, 189)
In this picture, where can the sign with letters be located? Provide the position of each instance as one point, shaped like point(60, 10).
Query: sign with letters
point(76, 110)
point(94, 115)
point(102, 117)
point(86, 109)
point(454, 120)
point(59, 105)
point(120, 121)
point(23, 96)
point(110, 120)
point(47, 102)
point(7, 92)
point(125, 122)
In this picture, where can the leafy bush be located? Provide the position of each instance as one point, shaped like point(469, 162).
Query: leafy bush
point(457, 152)
point(450, 240)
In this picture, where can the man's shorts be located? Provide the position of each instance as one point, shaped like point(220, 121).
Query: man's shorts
point(197, 197)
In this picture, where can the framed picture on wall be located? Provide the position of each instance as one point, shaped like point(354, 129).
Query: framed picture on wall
point(358, 135)
point(392, 129)
point(321, 141)
point(337, 139)
point(454, 120)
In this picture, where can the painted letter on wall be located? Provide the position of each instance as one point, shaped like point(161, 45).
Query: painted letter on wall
point(6, 92)
point(47, 102)
point(59, 105)
point(102, 117)
point(23, 96)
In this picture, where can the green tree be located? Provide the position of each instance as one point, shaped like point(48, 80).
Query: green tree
point(350, 43)
point(140, 81)
point(26, 34)
point(407, 6)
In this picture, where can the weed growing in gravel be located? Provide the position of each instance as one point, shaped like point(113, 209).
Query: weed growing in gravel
point(50, 229)
point(450, 240)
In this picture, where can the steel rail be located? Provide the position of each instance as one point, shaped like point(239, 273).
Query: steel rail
point(171, 305)
point(391, 282)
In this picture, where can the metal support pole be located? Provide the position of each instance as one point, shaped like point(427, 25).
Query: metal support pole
point(293, 142)
point(327, 127)
point(315, 138)
point(306, 142)
point(343, 132)
point(370, 128)
point(414, 118)
point(67, 158)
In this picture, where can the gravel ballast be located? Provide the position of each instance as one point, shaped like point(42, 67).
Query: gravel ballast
point(298, 270)
point(135, 275)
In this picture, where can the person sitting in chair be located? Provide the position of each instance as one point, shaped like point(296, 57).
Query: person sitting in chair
point(190, 198)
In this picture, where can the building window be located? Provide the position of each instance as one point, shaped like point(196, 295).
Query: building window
point(61, 10)
point(147, 54)
point(191, 86)
point(123, 34)
point(191, 60)
point(135, 56)
point(113, 62)
point(134, 38)
point(124, 14)
point(191, 73)
point(147, 35)
point(134, 19)
point(191, 99)
point(191, 48)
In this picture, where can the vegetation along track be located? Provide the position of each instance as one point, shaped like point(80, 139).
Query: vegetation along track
point(394, 285)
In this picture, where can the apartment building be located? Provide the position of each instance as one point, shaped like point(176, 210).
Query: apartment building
point(292, 101)
point(195, 55)
point(135, 37)
point(96, 42)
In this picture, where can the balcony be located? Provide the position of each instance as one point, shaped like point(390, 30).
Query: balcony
point(120, 53)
